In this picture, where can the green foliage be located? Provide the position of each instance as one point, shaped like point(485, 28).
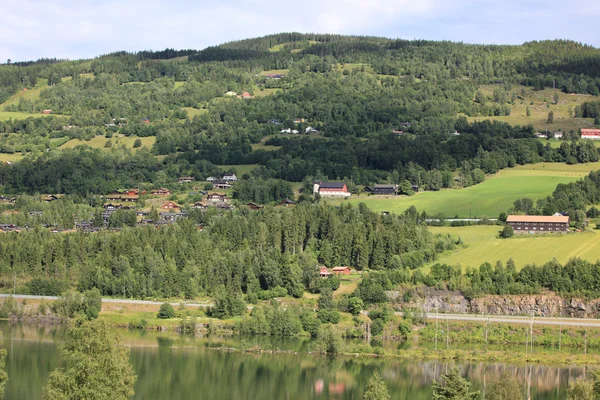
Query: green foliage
point(581, 389)
point(3, 374)
point(137, 143)
point(507, 232)
point(455, 387)
point(504, 387)
point(70, 304)
point(355, 305)
point(377, 327)
point(96, 366)
point(328, 340)
point(46, 287)
point(166, 311)
point(376, 388)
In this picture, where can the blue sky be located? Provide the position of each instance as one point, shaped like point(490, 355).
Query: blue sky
point(32, 29)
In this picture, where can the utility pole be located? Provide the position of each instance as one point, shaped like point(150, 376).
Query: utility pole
point(436, 326)
point(560, 336)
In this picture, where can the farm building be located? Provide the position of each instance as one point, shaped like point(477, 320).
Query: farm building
point(538, 223)
point(331, 189)
point(384, 189)
point(593, 134)
point(46, 112)
point(324, 272)
point(186, 179)
point(341, 270)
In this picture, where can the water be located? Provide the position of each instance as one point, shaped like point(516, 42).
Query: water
point(171, 366)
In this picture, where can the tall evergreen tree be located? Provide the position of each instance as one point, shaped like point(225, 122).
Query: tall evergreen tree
point(455, 387)
point(376, 388)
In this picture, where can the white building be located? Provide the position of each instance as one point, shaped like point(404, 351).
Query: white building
point(230, 178)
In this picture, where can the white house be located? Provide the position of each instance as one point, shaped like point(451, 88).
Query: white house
point(211, 179)
point(230, 178)
point(230, 93)
point(288, 130)
point(310, 129)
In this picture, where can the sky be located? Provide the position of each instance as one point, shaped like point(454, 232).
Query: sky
point(74, 29)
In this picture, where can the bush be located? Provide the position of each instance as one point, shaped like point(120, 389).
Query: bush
point(355, 305)
point(137, 143)
point(507, 232)
point(166, 311)
point(377, 327)
point(329, 316)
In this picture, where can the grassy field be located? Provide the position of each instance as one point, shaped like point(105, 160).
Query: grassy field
point(483, 245)
point(192, 112)
point(489, 198)
point(10, 157)
point(266, 92)
point(275, 71)
point(555, 144)
point(99, 142)
point(240, 169)
point(539, 109)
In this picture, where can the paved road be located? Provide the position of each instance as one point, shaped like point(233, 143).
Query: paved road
point(583, 322)
point(104, 300)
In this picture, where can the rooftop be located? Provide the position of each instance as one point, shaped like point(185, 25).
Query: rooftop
point(536, 218)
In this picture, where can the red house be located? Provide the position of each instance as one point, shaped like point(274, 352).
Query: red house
point(324, 272)
point(246, 95)
point(333, 189)
point(341, 270)
point(588, 133)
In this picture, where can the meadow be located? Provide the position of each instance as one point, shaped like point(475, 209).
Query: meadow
point(99, 142)
point(240, 169)
point(540, 103)
point(483, 245)
point(489, 198)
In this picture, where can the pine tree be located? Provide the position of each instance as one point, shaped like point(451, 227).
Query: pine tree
point(455, 387)
point(376, 388)
point(96, 366)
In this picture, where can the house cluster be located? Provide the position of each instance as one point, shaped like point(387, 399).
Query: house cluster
point(331, 189)
point(324, 272)
point(546, 135)
point(533, 224)
point(244, 95)
point(223, 183)
point(309, 130)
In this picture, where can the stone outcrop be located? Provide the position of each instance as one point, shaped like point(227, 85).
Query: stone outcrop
point(541, 305)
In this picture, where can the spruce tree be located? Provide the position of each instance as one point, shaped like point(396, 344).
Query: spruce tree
point(376, 388)
point(455, 387)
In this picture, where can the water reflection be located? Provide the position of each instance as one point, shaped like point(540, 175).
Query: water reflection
point(179, 367)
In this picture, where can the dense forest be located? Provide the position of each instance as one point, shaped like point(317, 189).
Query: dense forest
point(354, 91)
point(256, 254)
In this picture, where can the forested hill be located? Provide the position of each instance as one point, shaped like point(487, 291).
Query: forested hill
point(363, 109)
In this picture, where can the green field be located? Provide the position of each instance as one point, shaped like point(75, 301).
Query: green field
point(489, 198)
point(99, 142)
point(240, 169)
point(266, 92)
point(192, 112)
point(555, 144)
point(539, 109)
point(483, 245)
point(275, 71)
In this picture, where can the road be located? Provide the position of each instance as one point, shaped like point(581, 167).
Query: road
point(581, 322)
point(106, 300)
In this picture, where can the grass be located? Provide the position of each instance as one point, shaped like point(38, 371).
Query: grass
point(262, 146)
point(192, 112)
point(5, 115)
point(488, 198)
point(555, 144)
point(275, 72)
point(266, 92)
point(539, 109)
point(483, 245)
point(99, 142)
point(10, 157)
point(240, 169)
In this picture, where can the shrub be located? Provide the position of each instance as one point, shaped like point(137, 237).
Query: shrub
point(166, 311)
point(137, 143)
point(507, 232)
point(377, 327)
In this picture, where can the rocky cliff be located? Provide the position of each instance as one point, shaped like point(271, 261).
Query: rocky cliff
point(542, 305)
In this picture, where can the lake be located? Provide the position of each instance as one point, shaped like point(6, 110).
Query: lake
point(171, 366)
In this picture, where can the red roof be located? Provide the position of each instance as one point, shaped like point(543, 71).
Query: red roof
point(590, 132)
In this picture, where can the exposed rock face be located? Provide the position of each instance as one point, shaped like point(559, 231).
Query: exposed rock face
point(542, 305)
